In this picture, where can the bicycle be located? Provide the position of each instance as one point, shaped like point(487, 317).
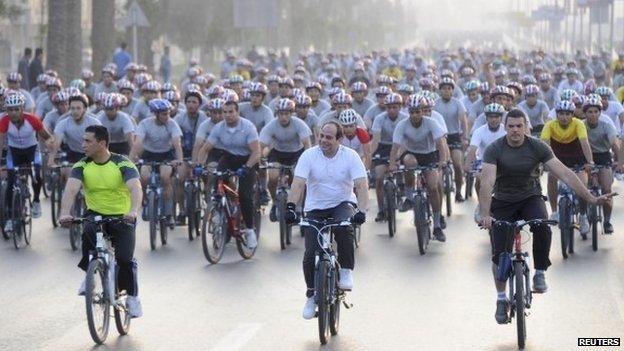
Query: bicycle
point(281, 199)
point(101, 290)
point(392, 191)
point(567, 206)
point(194, 201)
point(448, 187)
point(421, 206)
point(21, 207)
point(470, 177)
point(328, 296)
point(3, 210)
point(56, 188)
point(75, 229)
point(594, 212)
point(158, 221)
point(224, 219)
point(516, 271)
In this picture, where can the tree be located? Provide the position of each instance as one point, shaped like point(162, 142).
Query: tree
point(102, 33)
point(64, 42)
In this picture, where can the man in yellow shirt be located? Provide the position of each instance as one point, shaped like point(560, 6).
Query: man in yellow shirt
point(567, 137)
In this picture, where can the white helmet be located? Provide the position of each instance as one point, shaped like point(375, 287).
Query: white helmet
point(348, 117)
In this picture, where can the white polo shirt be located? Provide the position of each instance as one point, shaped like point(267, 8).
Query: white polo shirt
point(329, 181)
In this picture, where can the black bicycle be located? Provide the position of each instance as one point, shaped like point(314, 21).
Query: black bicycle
point(53, 182)
point(421, 207)
point(327, 294)
point(594, 212)
point(75, 229)
point(448, 187)
point(101, 290)
point(567, 208)
point(194, 201)
point(21, 207)
point(514, 268)
point(281, 199)
point(158, 221)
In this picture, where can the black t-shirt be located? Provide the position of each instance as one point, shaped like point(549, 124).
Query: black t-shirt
point(517, 168)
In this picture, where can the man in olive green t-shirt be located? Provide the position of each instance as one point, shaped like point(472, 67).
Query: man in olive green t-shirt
point(112, 189)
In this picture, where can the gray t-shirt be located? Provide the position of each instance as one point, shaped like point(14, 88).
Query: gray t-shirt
point(260, 116)
point(141, 111)
point(118, 127)
point(131, 105)
point(384, 125)
point(189, 127)
point(419, 140)
point(321, 107)
point(72, 133)
point(476, 109)
point(44, 106)
point(234, 140)
point(371, 113)
point(601, 136)
point(204, 129)
point(52, 118)
point(362, 107)
point(155, 137)
point(536, 113)
point(101, 88)
point(517, 168)
point(450, 110)
point(285, 138)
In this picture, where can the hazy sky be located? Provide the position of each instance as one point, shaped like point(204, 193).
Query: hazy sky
point(460, 14)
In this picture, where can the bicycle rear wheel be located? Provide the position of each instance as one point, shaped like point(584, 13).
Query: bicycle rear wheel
point(164, 230)
point(16, 219)
point(152, 211)
point(469, 184)
point(242, 247)
point(565, 224)
point(422, 224)
point(448, 184)
point(334, 307)
point(122, 318)
point(3, 210)
point(390, 204)
point(200, 207)
point(97, 303)
point(592, 217)
point(283, 226)
point(55, 199)
point(75, 230)
point(27, 217)
point(214, 233)
point(519, 303)
point(323, 300)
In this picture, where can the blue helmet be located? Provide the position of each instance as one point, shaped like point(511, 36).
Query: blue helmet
point(160, 105)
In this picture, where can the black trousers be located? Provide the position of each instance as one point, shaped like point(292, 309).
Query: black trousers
point(530, 208)
point(246, 185)
point(17, 157)
point(342, 236)
point(123, 241)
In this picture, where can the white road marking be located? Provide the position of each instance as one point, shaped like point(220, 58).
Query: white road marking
point(237, 338)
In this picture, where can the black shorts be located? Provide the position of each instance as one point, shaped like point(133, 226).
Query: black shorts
point(157, 156)
point(284, 158)
point(119, 148)
point(603, 159)
point(73, 156)
point(424, 160)
point(215, 155)
point(454, 141)
point(383, 150)
point(22, 157)
point(573, 162)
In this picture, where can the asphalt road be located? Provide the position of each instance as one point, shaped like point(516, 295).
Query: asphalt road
point(444, 300)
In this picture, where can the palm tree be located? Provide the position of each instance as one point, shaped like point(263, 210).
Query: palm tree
point(102, 32)
point(64, 41)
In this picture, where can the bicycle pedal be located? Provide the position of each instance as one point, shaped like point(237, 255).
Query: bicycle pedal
point(347, 305)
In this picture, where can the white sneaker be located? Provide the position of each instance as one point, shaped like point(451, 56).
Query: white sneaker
point(83, 287)
point(133, 305)
point(346, 279)
point(309, 309)
point(36, 209)
point(252, 241)
point(584, 224)
point(554, 216)
point(8, 226)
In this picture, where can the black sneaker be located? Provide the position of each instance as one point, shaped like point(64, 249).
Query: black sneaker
point(442, 222)
point(539, 283)
point(502, 312)
point(380, 217)
point(438, 234)
point(273, 214)
point(608, 228)
point(459, 198)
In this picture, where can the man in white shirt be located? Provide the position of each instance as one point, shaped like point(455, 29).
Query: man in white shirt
point(328, 173)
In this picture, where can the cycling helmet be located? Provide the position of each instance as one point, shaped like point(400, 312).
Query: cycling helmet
point(59, 97)
point(51, 73)
point(514, 71)
point(14, 77)
point(152, 85)
point(200, 80)
point(287, 81)
point(42, 78)
point(303, 100)
point(159, 105)
point(86, 73)
point(446, 81)
point(314, 85)
point(405, 88)
point(14, 99)
point(99, 97)
point(195, 93)
point(262, 71)
point(323, 80)
point(567, 94)
point(71, 91)
point(348, 117)
point(499, 73)
point(472, 85)
point(384, 79)
point(501, 90)
point(245, 95)
point(236, 79)
point(333, 91)
point(467, 71)
point(112, 101)
point(229, 95)
point(604, 91)
point(342, 98)
point(382, 90)
point(258, 88)
point(531, 89)
point(132, 67)
point(193, 72)
point(298, 78)
point(168, 87)
point(484, 88)
point(570, 71)
point(80, 97)
point(545, 77)
point(578, 100)
point(215, 91)
point(559, 70)
point(565, 105)
point(426, 101)
point(414, 101)
point(125, 85)
point(54, 82)
point(393, 99)
point(171, 95)
point(216, 104)
point(273, 78)
point(285, 105)
point(296, 92)
point(494, 109)
point(528, 79)
point(359, 87)
point(515, 86)
point(78, 83)
point(592, 102)
point(109, 68)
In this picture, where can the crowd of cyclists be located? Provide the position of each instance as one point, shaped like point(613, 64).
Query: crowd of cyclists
point(436, 109)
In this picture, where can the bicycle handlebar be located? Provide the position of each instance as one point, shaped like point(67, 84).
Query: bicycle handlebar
point(522, 223)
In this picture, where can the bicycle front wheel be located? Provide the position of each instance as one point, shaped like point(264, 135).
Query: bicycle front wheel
point(55, 199)
point(189, 196)
point(97, 302)
point(4, 214)
point(283, 226)
point(152, 210)
point(469, 184)
point(565, 224)
point(422, 224)
point(519, 303)
point(122, 319)
point(334, 307)
point(16, 219)
point(322, 292)
point(214, 233)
